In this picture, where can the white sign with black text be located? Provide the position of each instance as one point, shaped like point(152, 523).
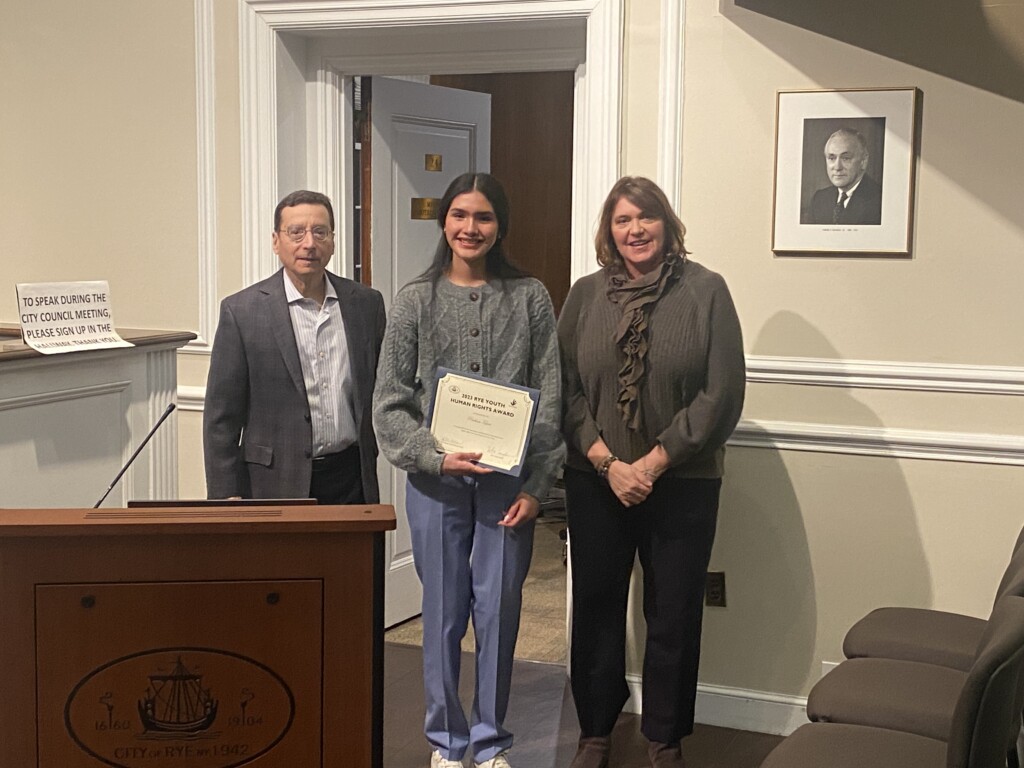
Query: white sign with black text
point(67, 317)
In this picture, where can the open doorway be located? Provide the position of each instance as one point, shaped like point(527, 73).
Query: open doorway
point(531, 153)
point(531, 140)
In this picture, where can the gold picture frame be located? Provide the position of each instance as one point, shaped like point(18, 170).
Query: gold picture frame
point(830, 141)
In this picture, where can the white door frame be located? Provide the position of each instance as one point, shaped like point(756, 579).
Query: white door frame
point(264, 26)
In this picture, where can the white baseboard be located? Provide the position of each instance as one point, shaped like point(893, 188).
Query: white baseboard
point(738, 708)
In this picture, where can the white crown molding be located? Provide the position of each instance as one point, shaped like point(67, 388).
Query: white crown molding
point(596, 128)
point(119, 388)
point(873, 374)
point(206, 175)
point(670, 102)
point(355, 14)
point(964, 447)
point(191, 398)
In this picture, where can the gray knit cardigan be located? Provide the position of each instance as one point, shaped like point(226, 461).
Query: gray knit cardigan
point(504, 330)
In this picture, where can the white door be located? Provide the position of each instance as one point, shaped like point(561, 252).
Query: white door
point(423, 136)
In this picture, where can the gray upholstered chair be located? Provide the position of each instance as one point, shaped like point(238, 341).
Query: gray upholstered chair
point(985, 713)
point(922, 634)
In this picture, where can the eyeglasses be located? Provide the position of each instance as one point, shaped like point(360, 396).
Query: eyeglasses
point(298, 234)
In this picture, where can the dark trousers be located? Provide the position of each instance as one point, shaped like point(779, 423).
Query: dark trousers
point(337, 478)
point(672, 530)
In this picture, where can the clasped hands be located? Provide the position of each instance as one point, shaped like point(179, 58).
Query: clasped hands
point(462, 464)
point(631, 483)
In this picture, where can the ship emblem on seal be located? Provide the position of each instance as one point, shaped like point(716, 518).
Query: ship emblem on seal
point(177, 706)
point(177, 703)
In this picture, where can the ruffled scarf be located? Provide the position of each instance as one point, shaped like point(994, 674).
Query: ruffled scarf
point(635, 297)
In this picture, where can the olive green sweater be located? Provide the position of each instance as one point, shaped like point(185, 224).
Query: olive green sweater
point(692, 392)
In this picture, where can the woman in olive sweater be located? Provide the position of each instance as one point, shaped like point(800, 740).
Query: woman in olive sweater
point(653, 382)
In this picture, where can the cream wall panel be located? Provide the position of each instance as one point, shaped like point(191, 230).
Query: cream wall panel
point(810, 542)
point(192, 482)
point(98, 152)
point(954, 302)
point(192, 369)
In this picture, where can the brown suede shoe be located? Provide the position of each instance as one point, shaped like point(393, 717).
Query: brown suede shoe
point(592, 753)
point(665, 755)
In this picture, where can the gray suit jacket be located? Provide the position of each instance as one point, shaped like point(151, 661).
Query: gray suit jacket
point(257, 436)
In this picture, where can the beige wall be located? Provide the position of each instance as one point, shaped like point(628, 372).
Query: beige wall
point(98, 158)
point(811, 540)
point(98, 153)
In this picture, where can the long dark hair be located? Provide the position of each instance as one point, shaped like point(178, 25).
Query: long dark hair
point(497, 260)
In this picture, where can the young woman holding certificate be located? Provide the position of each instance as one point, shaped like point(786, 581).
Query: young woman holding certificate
point(472, 312)
point(654, 381)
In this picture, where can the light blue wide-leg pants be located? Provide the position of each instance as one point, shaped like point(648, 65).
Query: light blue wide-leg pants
point(470, 567)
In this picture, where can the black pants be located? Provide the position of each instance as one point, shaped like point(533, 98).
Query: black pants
point(338, 479)
point(672, 530)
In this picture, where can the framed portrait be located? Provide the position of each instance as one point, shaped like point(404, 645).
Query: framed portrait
point(844, 171)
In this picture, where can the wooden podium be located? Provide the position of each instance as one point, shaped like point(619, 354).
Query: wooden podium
point(192, 636)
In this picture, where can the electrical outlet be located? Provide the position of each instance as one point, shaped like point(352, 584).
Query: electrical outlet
point(714, 591)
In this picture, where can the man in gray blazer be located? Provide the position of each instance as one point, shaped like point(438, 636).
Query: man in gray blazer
point(289, 391)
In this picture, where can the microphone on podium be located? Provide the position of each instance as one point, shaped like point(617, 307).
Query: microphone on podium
point(142, 445)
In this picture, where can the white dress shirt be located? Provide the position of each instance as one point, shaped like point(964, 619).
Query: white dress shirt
point(849, 193)
point(326, 369)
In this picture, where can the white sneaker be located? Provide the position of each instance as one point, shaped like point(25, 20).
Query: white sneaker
point(500, 760)
point(436, 761)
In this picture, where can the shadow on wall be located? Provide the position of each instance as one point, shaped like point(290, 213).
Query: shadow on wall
point(973, 42)
point(810, 541)
point(981, 47)
point(765, 638)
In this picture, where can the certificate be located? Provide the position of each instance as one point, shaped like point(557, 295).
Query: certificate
point(472, 414)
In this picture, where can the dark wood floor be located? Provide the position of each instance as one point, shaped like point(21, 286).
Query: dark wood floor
point(542, 717)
